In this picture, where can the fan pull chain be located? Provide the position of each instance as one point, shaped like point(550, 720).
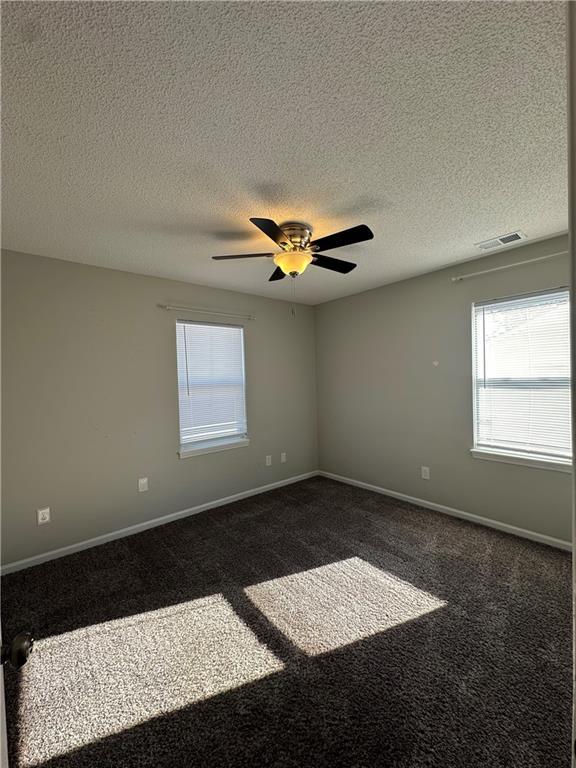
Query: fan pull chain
point(292, 308)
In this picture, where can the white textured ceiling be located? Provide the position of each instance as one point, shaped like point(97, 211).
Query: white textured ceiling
point(142, 135)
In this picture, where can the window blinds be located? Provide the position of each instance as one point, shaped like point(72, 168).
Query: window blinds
point(211, 385)
point(522, 375)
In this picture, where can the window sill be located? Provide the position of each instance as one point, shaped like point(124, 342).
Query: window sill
point(509, 457)
point(212, 446)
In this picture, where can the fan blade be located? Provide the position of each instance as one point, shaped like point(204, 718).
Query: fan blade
point(274, 232)
point(242, 256)
point(346, 237)
point(336, 265)
point(277, 275)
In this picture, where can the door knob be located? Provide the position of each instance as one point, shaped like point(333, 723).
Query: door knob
point(18, 651)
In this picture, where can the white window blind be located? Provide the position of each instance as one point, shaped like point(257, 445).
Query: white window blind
point(522, 375)
point(211, 382)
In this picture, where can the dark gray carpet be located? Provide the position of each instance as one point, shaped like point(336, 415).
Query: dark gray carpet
point(315, 625)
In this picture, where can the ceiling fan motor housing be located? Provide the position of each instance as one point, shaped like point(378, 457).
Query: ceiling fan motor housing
point(299, 234)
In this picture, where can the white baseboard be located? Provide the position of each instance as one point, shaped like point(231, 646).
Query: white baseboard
point(523, 532)
point(28, 562)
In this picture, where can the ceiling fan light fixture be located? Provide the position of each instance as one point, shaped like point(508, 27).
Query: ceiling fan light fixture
point(299, 250)
point(293, 263)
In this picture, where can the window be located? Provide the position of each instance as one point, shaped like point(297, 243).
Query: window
point(211, 387)
point(522, 378)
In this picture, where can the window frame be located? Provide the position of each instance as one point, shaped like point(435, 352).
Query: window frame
point(501, 454)
point(211, 445)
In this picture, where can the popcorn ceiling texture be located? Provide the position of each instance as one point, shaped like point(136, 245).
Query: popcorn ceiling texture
point(141, 136)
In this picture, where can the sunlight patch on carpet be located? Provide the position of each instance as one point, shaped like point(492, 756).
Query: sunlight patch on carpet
point(87, 684)
point(334, 605)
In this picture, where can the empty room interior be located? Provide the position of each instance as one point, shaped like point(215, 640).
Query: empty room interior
point(286, 385)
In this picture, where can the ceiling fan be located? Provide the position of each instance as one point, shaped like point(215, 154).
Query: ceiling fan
point(298, 250)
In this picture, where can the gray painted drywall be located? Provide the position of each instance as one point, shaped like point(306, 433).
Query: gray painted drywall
point(90, 401)
point(89, 398)
point(385, 410)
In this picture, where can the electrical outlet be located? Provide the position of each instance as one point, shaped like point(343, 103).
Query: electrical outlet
point(282, 458)
point(425, 473)
point(43, 516)
point(268, 461)
point(142, 484)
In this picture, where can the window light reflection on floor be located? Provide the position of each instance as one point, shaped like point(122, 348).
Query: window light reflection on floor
point(146, 665)
point(331, 606)
point(89, 683)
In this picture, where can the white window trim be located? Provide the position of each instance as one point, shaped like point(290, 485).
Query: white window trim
point(536, 461)
point(522, 459)
point(215, 445)
point(212, 446)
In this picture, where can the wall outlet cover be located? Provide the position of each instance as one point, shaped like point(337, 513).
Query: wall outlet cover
point(268, 461)
point(282, 458)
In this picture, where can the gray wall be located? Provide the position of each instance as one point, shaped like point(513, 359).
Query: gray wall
point(385, 410)
point(89, 398)
point(90, 401)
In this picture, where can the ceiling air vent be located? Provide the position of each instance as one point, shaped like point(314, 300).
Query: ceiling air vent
point(498, 242)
